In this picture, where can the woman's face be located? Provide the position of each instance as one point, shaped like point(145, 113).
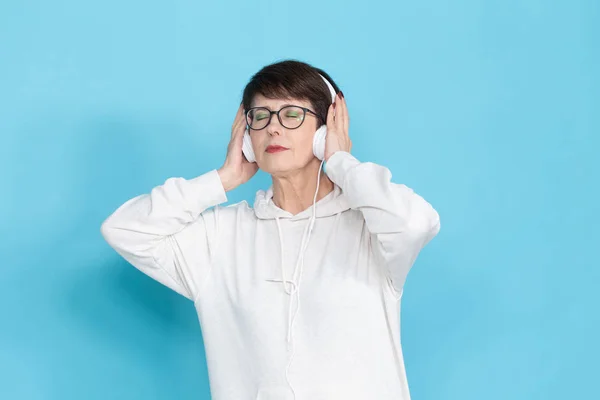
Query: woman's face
point(297, 141)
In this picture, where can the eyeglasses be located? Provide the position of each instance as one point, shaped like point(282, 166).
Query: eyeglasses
point(290, 117)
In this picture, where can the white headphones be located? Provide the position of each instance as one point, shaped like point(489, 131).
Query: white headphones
point(318, 138)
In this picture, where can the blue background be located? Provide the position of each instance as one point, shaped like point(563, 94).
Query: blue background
point(488, 109)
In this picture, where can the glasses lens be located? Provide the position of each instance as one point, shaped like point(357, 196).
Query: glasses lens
point(258, 118)
point(291, 116)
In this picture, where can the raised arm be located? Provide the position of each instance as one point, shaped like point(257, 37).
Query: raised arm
point(168, 233)
point(400, 221)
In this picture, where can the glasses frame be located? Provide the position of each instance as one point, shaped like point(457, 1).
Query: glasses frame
point(304, 109)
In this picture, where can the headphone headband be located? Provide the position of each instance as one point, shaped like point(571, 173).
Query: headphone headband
point(331, 89)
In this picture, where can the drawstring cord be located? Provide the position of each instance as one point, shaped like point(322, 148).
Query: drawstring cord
point(294, 291)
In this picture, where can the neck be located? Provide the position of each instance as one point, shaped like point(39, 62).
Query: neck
point(295, 192)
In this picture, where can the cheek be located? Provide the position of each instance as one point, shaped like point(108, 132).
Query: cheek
point(308, 145)
point(257, 140)
point(305, 140)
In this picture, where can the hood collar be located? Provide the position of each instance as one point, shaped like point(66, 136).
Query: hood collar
point(333, 203)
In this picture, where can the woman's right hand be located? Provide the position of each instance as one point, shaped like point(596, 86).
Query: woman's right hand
point(236, 169)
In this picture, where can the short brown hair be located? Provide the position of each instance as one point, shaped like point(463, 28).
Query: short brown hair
point(291, 79)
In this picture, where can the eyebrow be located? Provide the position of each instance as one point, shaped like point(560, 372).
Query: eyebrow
point(283, 105)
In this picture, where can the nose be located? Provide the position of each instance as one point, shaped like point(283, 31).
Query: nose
point(274, 126)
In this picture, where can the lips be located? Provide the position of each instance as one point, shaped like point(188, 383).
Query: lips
point(275, 149)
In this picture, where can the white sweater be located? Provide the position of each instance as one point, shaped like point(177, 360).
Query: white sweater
point(332, 331)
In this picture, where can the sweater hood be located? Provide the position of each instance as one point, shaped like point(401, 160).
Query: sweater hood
point(333, 203)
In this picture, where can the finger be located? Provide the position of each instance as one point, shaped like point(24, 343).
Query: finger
point(330, 118)
point(344, 116)
point(240, 112)
point(339, 112)
point(242, 115)
point(239, 125)
point(239, 137)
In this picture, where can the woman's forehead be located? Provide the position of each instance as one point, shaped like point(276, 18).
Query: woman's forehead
point(275, 104)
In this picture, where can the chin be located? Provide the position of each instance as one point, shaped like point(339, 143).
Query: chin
point(277, 167)
point(286, 162)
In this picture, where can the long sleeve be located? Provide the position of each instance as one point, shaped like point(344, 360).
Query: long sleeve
point(168, 233)
point(400, 221)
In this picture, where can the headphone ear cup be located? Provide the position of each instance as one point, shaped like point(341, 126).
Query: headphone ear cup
point(319, 142)
point(247, 147)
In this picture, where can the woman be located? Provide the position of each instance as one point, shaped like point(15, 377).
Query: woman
point(298, 297)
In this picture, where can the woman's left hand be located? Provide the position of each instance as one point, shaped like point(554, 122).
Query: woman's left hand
point(337, 138)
